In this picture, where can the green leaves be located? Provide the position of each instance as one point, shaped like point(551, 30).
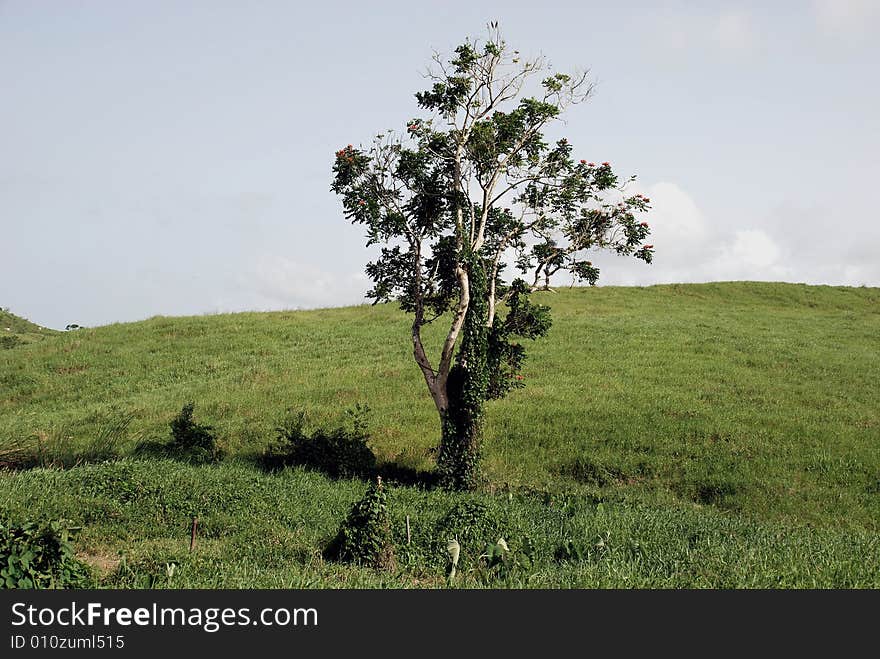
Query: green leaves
point(555, 83)
point(506, 356)
point(365, 536)
point(38, 555)
point(192, 441)
point(446, 97)
point(459, 455)
point(340, 452)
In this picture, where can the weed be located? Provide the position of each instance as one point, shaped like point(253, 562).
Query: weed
point(38, 555)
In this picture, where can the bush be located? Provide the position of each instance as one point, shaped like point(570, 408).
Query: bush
point(340, 453)
point(38, 555)
point(192, 441)
point(365, 536)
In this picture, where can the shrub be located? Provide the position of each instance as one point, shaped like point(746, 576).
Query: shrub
point(342, 452)
point(365, 536)
point(38, 555)
point(192, 441)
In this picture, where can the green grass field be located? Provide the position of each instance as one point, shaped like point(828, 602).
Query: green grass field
point(707, 435)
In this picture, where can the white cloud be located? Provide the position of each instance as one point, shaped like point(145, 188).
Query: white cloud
point(689, 247)
point(677, 225)
point(276, 282)
point(751, 254)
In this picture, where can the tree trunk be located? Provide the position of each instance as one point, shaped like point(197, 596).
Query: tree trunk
point(466, 387)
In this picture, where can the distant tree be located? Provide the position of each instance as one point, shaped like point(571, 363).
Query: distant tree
point(461, 190)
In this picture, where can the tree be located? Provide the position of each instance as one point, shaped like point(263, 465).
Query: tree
point(458, 193)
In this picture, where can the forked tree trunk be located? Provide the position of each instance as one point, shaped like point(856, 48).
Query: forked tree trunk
point(462, 421)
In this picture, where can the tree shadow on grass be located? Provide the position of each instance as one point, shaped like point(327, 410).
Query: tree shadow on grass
point(393, 473)
point(43, 451)
point(157, 450)
point(398, 474)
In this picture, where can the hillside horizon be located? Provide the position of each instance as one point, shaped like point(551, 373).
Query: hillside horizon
point(7, 312)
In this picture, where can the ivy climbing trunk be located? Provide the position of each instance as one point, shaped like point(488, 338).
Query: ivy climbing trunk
point(462, 422)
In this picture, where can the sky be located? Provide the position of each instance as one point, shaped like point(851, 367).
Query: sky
point(174, 158)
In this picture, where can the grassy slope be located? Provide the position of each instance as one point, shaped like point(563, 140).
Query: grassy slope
point(15, 330)
point(756, 402)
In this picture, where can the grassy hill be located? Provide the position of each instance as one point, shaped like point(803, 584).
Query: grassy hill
point(709, 435)
point(15, 331)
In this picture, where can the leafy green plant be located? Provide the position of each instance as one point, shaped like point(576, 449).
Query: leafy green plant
point(38, 555)
point(341, 452)
point(365, 536)
point(192, 441)
point(499, 562)
point(453, 548)
point(470, 523)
